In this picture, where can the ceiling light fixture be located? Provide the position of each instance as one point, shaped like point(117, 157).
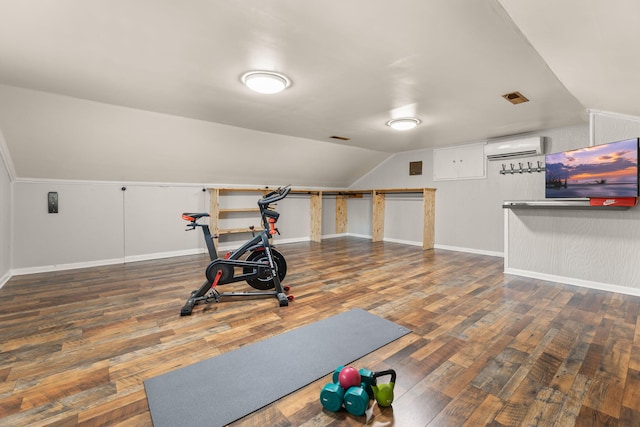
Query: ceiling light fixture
point(404, 123)
point(265, 81)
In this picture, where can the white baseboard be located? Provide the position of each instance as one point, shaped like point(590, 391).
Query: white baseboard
point(99, 263)
point(573, 281)
point(292, 240)
point(362, 236)
point(5, 278)
point(60, 267)
point(402, 242)
point(469, 250)
point(333, 236)
point(160, 255)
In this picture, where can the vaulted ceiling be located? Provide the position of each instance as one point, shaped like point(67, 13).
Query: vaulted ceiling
point(354, 64)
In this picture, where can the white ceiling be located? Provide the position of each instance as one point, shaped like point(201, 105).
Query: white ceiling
point(355, 64)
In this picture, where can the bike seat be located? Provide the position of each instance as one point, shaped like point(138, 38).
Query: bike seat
point(193, 216)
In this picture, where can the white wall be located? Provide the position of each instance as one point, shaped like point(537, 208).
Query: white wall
point(468, 212)
point(99, 223)
point(403, 218)
point(294, 222)
point(329, 217)
point(5, 215)
point(88, 227)
point(153, 224)
point(360, 216)
point(592, 248)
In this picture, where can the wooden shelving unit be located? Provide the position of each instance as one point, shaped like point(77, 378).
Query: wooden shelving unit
point(315, 200)
point(216, 213)
point(253, 213)
point(428, 226)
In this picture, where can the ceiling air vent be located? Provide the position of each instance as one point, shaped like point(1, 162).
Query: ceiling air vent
point(341, 138)
point(515, 98)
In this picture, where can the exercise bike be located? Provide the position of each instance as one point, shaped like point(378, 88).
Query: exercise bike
point(256, 261)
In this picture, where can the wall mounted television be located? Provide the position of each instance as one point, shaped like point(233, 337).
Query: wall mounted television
point(607, 170)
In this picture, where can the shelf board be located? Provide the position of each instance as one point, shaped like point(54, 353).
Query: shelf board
point(239, 210)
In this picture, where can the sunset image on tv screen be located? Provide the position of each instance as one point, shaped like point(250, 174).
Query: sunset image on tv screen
point(608, 170)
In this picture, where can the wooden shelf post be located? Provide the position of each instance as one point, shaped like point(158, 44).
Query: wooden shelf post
point(341, 214)
point(315, 206)
point(214, 213)
point(377, 231)
point(428, 230)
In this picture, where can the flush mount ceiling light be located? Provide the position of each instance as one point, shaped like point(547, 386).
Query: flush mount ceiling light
point(265, 81)
point(404, 123)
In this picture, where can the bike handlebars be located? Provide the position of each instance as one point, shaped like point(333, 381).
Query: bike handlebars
point(274, 196)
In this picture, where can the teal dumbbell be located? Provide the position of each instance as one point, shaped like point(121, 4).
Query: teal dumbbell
point(356, 400)
point(336, 374)
point(332, 397)
point(366, 376)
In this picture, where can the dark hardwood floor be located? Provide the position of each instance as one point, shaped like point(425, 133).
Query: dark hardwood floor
point(486, 349)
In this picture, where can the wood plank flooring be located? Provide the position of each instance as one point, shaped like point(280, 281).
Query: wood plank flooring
point(486, 349)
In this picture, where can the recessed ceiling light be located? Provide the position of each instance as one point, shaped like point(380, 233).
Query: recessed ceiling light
point(265, 81)
point(404, 123)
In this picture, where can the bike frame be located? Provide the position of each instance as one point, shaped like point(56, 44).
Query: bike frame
point(221, 271)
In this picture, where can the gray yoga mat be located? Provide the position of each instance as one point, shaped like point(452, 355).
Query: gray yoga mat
point(225, 388)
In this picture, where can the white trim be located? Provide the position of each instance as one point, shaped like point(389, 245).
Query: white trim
point(4, 279)
point(119, 183)
point(61, 267)
point(506, 237)
point(573, 281)
point(160, 255)
point(100, 263)
point(403, 242)
point(615, 115)
point(333, 236)
point(207, 186)
point(278, 241)
point(469, 250)
point(6, 158)
point(362, 236)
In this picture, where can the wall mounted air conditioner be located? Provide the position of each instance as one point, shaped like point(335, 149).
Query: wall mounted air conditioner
point(514, 148)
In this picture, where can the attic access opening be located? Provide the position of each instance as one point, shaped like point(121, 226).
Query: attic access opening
point(515, 97)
